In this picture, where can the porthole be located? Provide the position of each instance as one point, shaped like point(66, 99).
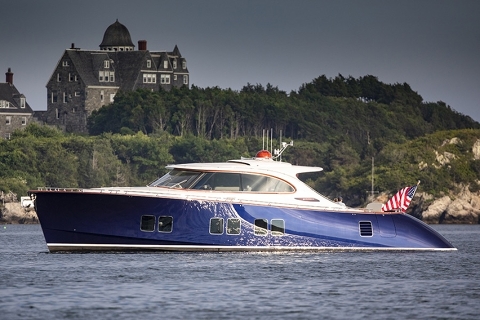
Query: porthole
point(261, 227)
point(147, 223)
point(216, 226)
point(165, 224)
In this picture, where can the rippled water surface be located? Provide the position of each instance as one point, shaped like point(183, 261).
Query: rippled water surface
point(35, 284)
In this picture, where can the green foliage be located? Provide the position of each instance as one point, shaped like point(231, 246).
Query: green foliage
point(338, 124)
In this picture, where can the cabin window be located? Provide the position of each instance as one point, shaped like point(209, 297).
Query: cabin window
point(220, 181)
point(277, 227)
point(233, 226)
point(147, 223)
point(165, 224)
point(260, 228)
point(176, 179)
point(216, 226)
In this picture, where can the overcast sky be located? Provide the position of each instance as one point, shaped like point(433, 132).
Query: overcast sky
point(433, 45)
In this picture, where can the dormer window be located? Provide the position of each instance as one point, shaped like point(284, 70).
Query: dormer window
point(22, 102)
point(149, 63)
point(165, 64)
point(4, 104)
point(175, 64)
point(106, 64)
point(184, 64)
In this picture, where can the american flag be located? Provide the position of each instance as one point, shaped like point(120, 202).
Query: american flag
point(401, 200)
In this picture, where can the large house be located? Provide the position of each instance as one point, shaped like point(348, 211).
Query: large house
point(85, 80)
point(15, 113)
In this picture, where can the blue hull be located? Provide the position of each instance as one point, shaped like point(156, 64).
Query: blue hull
point(95, 221)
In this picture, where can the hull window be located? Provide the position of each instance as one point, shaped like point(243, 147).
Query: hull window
point(216, 226)
point(233, 226)
point(147, 223)
point(365, 228)
point(165, 224)
point(261, 227)
point(277, 227)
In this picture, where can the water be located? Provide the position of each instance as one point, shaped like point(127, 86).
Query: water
point(35, 284)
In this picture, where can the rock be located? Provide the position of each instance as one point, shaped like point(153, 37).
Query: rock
point(14, 213)
point(461, 208)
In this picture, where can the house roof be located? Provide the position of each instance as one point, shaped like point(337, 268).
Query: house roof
point(9, 93)
point(127, 65)
point(116, 35)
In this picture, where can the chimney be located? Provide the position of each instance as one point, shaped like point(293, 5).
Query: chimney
point(9, 76)
point(73, 46)
point(142, 45)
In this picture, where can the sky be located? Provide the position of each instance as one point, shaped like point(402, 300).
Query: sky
point(433, 45)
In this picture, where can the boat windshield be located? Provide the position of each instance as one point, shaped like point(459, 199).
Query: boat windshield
point(222, 181)
point(176, 179)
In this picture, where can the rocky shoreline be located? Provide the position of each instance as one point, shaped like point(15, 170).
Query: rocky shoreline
point(14, 213)
point(461, 207)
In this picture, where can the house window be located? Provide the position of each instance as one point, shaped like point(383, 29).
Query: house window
point(22, 102)
point(54, 97)
point(175, 77)
point(112, 76)
point(7, 136)
point(59, 77)
point(24, 121)
point(165, 64)
point(4, 104)
point(149, 78)
point(77, 94)
point(149, 63)
point(71, 77)
point(106, 64)
point(64, 98)
point(8, 120)
point(175, 64)
point(100, 76)
point(185, 79)
point(112, 97)
point(101, 96)
point(165, 78)
point(76, 78)
point(65, 63)
point(184, 64)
